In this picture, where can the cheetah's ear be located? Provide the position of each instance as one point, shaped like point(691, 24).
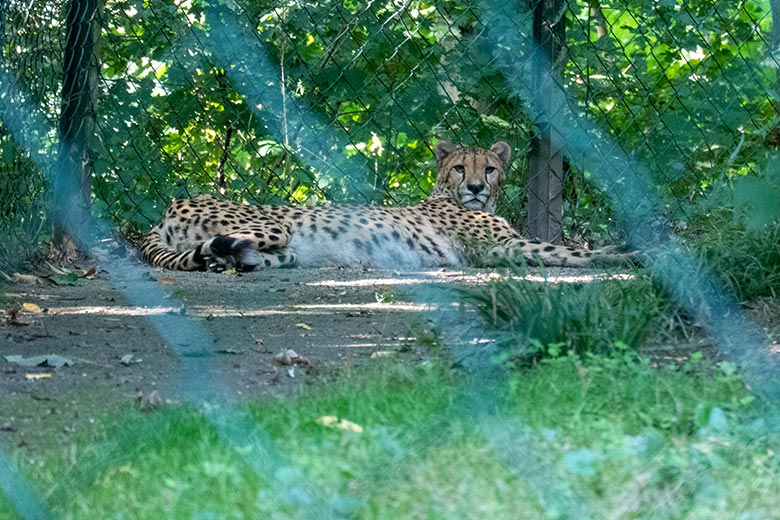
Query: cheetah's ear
point(504, 152)
point(443, 149)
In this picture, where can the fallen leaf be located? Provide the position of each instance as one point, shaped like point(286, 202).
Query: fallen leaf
point(45, 375)
point(46, 360)
point(304, 326)
point(153, 402)
point(155, 399)
point(64, 279)
point(31, 307)
point(287, 357)
point(127, 360)
point(327, 420)
point(22, 278)
point(349, 426)
point(90, 272)
point(382, 353)
point(230, 271)
point(166, 280)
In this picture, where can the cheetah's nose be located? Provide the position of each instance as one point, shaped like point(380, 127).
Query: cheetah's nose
point(475, 188)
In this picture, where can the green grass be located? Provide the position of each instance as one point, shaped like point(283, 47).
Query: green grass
point(623, 439)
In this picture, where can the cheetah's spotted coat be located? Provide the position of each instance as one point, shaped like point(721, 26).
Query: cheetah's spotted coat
point(448, 229)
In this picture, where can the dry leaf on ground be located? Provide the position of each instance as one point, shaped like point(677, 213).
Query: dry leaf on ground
point(287, 357)
point(45, 375)
point(46, 360)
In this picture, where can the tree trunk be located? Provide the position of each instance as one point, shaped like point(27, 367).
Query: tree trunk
point(72, 183)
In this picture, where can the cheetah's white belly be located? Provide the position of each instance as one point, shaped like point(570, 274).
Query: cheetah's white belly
point(313, 250)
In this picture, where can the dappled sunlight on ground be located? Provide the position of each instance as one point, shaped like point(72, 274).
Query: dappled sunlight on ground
point(475, 278)
point(218, 311)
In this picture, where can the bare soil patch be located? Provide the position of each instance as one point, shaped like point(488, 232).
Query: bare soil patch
point(138, 336)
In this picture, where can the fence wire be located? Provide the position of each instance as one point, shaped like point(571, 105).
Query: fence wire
point(30, 74)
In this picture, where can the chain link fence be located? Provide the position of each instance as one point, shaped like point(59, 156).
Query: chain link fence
point(119, 106)
point(30, 76)
point(342, 102)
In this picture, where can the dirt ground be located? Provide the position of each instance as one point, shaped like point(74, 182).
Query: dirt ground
point(137, 336)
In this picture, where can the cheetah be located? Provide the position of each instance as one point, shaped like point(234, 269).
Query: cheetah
point(454, 227)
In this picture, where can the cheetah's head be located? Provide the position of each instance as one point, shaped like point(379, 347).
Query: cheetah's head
point(472, 176)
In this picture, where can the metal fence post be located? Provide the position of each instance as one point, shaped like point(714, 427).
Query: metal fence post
point(545, 179)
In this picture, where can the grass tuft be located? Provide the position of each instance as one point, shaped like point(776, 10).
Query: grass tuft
point(557, 318)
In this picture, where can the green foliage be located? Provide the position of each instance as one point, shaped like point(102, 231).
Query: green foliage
point(682, 88)
point(29, 65)
point(22, 205)
point(758, 195)
point(297, 102)
point(292, 102)
point(737, 232)
point(595, 317)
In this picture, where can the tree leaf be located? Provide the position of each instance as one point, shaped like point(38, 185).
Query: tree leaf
point(64, 279)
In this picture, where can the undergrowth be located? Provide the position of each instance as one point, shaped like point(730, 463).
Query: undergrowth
point(746, 260)
point(609, 437)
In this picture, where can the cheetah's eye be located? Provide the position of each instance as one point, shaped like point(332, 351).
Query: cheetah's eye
point(489, 170)
point(460, 169)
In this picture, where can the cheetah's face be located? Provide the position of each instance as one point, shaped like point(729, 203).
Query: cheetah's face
point(473, 176)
